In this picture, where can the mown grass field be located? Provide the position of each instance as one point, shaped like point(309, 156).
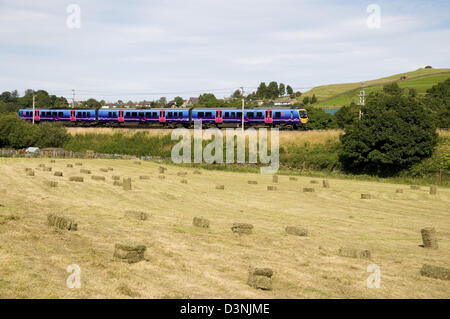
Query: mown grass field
point(183, 261)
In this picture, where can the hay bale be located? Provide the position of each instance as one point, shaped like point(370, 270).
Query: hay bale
point(429, 238)
point(52, 161)
point(29, 173)
point(271, 188)
point(51, 183)
point(297, 231)
point(162, 169)
point(117, 183)
point(61, 222)
point(129, 252)
point(354, 253)
point(242, 228)
point(308, 190)
point(365, 196)
point(27, 169)
point(41, 165)
point(137, 162)
point(314, 181)
point(325, 183)
point(415, 187)
point(136, 215)
point(69, 165)
point(110, 169)
point(293, 178)
point(85, 171)
point(76, 179)
point(197, 172)
point(252, 182)
point(144, 177)
point(182, 173)
point(399, 191)
point(433, 190)
point(60, 174)
point(435, 272)
point(200, 222)
point(274, 178)
point(127, 184)
point(98, 178)
point(116, 178)
point(220, 186)
point(161, 177)
point(260, 278)
point(47, 169)
point(79, 164)
point(184, 181)
point(105, 170)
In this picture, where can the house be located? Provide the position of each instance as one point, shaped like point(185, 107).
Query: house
point(191, 102)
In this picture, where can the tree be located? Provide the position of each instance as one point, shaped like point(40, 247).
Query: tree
point(163, 101)
point(237, 94)
point(437, 102)
point(91, 104)
point(261, 92)
point(313, 99)
point(394, 132)
point(208, 100)
point(289, 90)
point(306, 100)
point(281, 90)
point(318, 119)
point(392, 88)
point(179, 101)
point(347, 115)
point(272, 90)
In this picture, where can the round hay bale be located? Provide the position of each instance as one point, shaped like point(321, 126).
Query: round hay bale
point(365, 196)
point(435, 272)
point(242, 228)
point(220, 186)
point(297, 231)
point(85, 171)
point(325, 183)
point(76, 179)
point(127, 184)
point(60, 174)
point(115, 178)
point(429, 238)
point(399, 190)
point(293, 178)
point(274, 178)
point(144, 177)
point(260, 278)
point(308, 190)
point(47, 169)
point(52, 161)
point(61, 222)
point(69, 165)
point(271, 188)
point(252, 182)
point(200, 222)
point(98, 178)
point(184, 181)
point(433, 190)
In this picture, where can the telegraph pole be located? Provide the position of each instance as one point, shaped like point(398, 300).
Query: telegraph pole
point(34, 105)
point(362, 98)
point(73, 98)
point(242, 89)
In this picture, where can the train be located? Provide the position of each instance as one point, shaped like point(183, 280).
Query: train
point(293, 118)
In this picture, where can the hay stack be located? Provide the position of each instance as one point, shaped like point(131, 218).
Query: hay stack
point(274, 178)
point(252, 182)
point(69, 165)
point(365, 196)
point(116, 178)
point(98, 178)
point(61, 222)
point(184, 181)
point(129, 252)
point(51, 183)
point(433, 190)
point(415, 187)
point(308, 190)
point(52, 161)
point(76, 179)
point(325, 183)
point(429, 238)
point(127, 184)
point(271, 188)
point(41, 165)
point(200, 222)
point(435, 272)
point(297, 231)
point(293, 178)
point(136, 215)
point(260, 278)
point(85, 171)
point(60, 174)
point(144, 177)
point(220, 186)
point(29, 171)
point(354, 253)
point(242, 228)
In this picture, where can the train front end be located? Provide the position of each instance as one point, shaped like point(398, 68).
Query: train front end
point(303, 115)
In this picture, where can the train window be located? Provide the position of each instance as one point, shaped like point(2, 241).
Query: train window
point(277, 115)
point(127, 114)
point(109, 114)
point(200, 114)
point(155, 115)
point(54, 113)
point(259, 115)
point(208, 115)
point(169, 115)
point(60, 114)
point(88, 114)
point(250, 115)
point(141, 114)
point(148, 114)
point(227, 115)
point(233, 115)
point(84, 114)
point(133, 114)
point(239, 114)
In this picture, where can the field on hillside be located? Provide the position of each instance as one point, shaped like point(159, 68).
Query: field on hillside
point(183, 261)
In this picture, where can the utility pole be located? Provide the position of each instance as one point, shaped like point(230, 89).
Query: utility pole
point(34, 105)
point(73, 98)
point(362, 98)
point(242, 89)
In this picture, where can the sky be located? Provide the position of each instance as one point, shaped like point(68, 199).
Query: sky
point(136, 50)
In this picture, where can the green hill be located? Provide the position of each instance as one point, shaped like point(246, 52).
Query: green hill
point(337, 95)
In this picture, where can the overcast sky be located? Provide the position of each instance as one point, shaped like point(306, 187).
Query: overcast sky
point(146, 49)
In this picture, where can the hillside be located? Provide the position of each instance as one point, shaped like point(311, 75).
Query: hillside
point(337, 95)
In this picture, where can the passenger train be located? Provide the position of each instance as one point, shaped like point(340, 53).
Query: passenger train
point(223, 117)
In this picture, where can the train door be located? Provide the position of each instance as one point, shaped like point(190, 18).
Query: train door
point(73, 117)
point(268, 117)
point(219, 118)
point(37, 116)
point(162, 116)
point(120, 117)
